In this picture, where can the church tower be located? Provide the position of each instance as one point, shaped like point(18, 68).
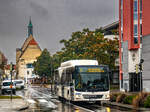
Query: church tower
point(27, 55)
point(30, 28)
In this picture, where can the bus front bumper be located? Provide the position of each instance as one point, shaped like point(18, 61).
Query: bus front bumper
point(92, 97)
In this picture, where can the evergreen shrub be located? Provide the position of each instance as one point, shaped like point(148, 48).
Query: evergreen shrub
point(120, 98)
point(128, 99)
point(147, 102)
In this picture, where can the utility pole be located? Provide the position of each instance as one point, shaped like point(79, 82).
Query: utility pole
point(11, 68)
point(51, 77)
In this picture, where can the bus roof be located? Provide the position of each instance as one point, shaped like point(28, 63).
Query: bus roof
point(72, 63)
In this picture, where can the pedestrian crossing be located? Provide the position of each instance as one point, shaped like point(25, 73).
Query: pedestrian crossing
point(31, 101)
point(43, 102)
point(37, 97)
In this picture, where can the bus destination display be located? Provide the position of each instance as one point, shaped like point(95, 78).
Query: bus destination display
point(87, 69)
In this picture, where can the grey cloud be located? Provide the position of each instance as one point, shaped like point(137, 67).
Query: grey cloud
point(90, 7)
point(41, 11)
point(52, 20)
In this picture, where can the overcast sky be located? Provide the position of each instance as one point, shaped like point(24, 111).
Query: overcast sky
point(52, 20)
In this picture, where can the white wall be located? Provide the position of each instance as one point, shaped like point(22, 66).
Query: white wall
point(133, 59)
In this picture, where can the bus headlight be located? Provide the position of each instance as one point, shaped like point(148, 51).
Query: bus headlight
point(78, 95)
point(107, 96)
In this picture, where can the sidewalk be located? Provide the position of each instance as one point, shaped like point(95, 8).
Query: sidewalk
point(42, 85)
point(6, 105)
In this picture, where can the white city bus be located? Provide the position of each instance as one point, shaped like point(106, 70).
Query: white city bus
point(83, 80)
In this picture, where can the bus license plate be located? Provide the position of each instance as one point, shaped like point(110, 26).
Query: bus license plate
point(91, 99)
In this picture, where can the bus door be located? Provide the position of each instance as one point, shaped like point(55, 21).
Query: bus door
point(71, 91)
point(63, 82)
point(62, 90)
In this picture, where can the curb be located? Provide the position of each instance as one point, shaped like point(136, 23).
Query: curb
point(125, 106)
point(23, 108)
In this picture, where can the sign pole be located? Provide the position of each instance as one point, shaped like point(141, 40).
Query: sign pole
point(11, 65)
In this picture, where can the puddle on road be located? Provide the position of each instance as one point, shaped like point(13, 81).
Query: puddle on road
point(44, 103)
point(60, 108)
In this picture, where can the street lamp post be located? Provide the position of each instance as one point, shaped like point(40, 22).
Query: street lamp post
point(141, 68)
point(11, 68)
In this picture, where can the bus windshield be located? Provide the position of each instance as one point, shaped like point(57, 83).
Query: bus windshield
point(92, 81)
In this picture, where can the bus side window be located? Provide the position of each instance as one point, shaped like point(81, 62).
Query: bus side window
point(63, 78)
point(68, 77)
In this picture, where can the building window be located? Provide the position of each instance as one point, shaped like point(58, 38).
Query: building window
point(135, 39)
point(135, 6)
point(32, 72)
point(28, 72)
point(135, 33)
point(135, 26)
point(121, 4)
point(135, 10)
point(140, 29)
point(121, 20)
point(122, 57)
point(140, 5)
point(121, 36)
point(135, 16)
point(121, 80)
point(29, 65)
point(141, 20)
point(135, 29)
point(140, 15)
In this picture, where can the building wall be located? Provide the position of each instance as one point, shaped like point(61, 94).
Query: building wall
point(146, 17)
point(32, 52)
point(146, 85)
point(18, 53)
point(131, 54)
point(146, 57)
point(125, 65)
point(129, 48)
point(111, 36)
point(29, 56)
point(133, 59)
point(1, 59)
point(21, 69)
point(127, 27)
point(26, 42)
point(125, 57)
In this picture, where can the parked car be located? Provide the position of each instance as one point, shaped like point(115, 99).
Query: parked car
point(6, 87)
point(19, 83)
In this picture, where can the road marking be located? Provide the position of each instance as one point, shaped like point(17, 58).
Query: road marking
point(87, 110)
point(42, 100)
point(31, 101)
point(51, 105)
point(78, 107)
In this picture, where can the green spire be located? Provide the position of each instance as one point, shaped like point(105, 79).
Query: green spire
point(30, 28)
point(30, 23)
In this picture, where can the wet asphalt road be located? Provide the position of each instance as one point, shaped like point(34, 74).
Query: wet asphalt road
point(41, 100)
